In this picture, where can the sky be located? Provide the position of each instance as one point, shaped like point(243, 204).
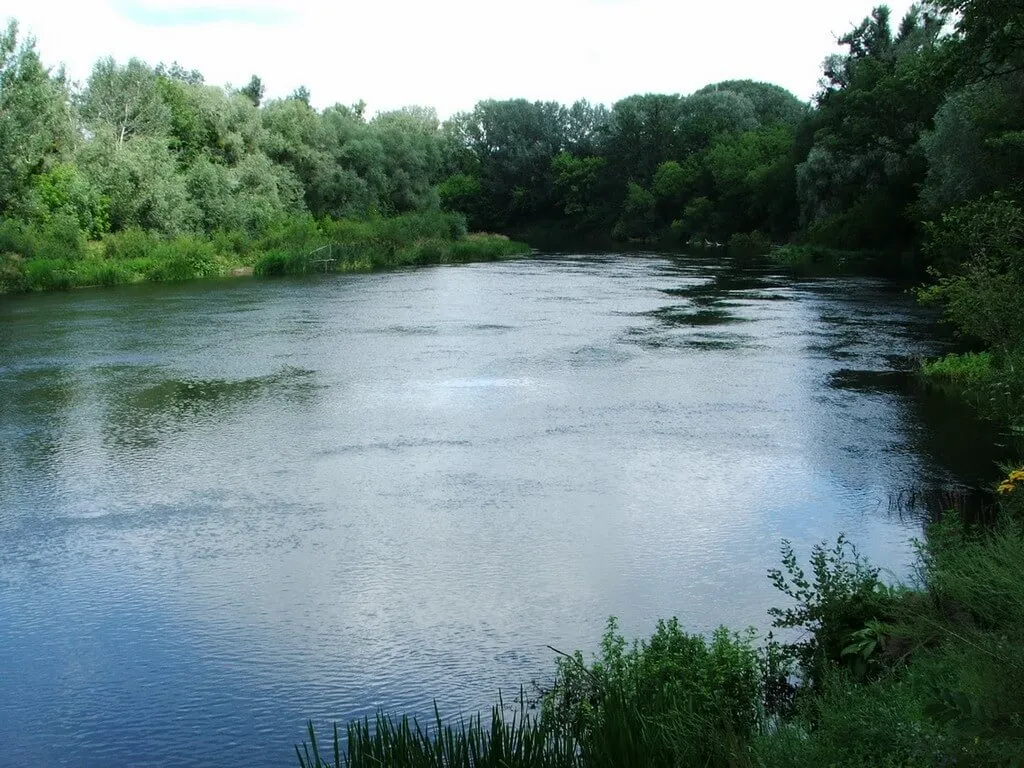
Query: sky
point(449, 54)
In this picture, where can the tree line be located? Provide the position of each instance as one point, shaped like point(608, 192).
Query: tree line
point(913, 121)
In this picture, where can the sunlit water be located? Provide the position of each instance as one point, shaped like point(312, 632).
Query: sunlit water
point(226, 508)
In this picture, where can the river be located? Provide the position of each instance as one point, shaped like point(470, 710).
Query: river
point(226, 507)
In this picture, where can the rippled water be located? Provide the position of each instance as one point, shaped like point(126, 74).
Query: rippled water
point(229, 507)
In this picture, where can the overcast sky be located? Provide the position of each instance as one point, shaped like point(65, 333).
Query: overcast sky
point(449, 54)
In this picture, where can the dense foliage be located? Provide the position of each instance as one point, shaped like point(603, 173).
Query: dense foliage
point(147, 173)
point(917, 119)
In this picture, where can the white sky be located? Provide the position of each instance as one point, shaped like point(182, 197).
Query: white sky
point(449, 54)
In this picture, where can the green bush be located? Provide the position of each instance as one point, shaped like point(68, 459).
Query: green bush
point(183, 258)
point(129, 244)
point(43, 274)
point(842, 609)
point(57, 238)
point(750, 244)
point(277, 263)
point(12, 273)
point(977, 251)
point(102, 272)
point(968, 369)
point(676, 697)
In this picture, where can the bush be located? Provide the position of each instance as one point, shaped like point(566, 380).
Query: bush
point(965, 370)
point(751, 244)
point(129, 244)
point(57, 238)
point(102, 272)
point(48, 275)
point(843, 609)
point(676, 697)
point(12, 273)
point(977, 251)
point(183, 258)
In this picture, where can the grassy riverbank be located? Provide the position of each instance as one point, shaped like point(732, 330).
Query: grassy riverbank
point(925, 674)
point(46, 258)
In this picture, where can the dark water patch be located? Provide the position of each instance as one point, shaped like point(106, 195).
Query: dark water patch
point(407, 330)
point(194, 394)
point(487, 328)
point(926, 503)
point(655, 339)
point(682, 316)
point(593, 355)
point(393, 446)
point(870, 381)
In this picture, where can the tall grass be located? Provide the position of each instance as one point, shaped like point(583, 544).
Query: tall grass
point(56, 258)
point(518, 741)
point(409, 240)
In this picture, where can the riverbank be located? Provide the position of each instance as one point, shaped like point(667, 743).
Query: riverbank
point(926, 674)
point(35, 260)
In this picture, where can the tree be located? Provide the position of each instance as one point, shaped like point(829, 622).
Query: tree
point(141, 183)
point(254, 90)
point(859, 181)
point(514, 143)
point(35, 124)
point(990, 36)
point(772, 104)
point(576, 180)
point(124, 101)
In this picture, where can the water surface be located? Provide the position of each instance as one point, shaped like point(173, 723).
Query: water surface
point(228, 507)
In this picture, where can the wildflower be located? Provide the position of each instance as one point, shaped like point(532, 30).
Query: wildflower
point(1016, 476)
point(1006, 487)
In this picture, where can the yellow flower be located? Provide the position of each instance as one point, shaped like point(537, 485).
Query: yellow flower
point(1006, 487)
point(1016, 476)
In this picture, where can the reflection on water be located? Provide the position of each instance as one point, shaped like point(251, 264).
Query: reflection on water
point(227, 507)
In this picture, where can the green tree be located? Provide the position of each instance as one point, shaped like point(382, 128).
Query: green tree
point(254, 90)
point(35, 124)
point(576, 181)
point(124, 101)
point(861, 175)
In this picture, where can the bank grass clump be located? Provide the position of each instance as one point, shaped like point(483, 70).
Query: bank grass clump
point(967, 369)
point(993, 380)
point(413, 239)
point(749, 244)
point(36, 258)
point(675, 698)
point(818, 260)
point(502, 741)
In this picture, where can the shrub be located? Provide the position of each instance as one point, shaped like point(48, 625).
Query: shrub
point(751, 244)
point(968, 369)
point(675, 696)
point(842, 608)
point(48, 275)
point(12, 274)
point(129, 244)
point(57, 238)
point(183, 258)
point(978, 255)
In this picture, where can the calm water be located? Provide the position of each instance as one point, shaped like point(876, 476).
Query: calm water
point(226, 508)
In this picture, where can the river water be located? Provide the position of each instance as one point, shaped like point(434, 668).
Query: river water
point(228, 507)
